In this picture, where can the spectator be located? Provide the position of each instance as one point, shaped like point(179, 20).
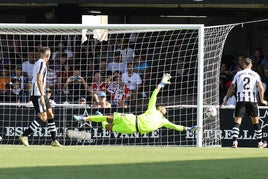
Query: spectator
point(13, 92)
point(18, 75)
point(127, 53)
point(83, 100)
point(133, 82)
point(118, 90)
point(98, 84)
point(75, 87)
point(140, 65)
point(103, 52)
point(103, 68)
point(4, 79)
point(117, 64)
point(27, 66)
point(88, 71)
point(62, 49)
point(238, 65)
point(64, 73)
point(60, 60)
point(49, 96)
point(52, 79)
point(102, 103)
point(259, 63)
point(38, 46)
point(27, 92)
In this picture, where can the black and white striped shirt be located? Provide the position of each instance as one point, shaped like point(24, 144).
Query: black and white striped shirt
point(39, 67)
point(246, 82)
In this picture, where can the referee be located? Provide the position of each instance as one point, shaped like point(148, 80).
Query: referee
point(40, 101)
point(247, 82)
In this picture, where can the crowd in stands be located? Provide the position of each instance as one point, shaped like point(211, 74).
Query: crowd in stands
point(105, 74)
point(231, 65)
point(102, 78)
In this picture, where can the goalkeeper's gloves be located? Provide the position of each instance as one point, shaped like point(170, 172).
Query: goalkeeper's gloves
point(165, 80)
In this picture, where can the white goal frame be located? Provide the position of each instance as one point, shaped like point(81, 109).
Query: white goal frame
point(199, 27)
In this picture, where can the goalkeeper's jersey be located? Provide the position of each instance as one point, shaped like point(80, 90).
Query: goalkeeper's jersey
point(152, 119)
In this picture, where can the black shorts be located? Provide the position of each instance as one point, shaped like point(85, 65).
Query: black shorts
point(242, 107)
point(37, 106)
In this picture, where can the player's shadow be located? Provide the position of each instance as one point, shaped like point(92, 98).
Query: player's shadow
point(218, 169)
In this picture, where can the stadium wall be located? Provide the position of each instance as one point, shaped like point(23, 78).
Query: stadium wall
point(12, 128)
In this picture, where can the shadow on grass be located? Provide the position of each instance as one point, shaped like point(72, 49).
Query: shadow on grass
point(220, 169)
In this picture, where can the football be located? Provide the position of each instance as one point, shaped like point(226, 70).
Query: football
point(211, 112)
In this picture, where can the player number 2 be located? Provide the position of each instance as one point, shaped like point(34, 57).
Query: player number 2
point(246, 83)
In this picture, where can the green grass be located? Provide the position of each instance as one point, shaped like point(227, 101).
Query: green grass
point(124, 162)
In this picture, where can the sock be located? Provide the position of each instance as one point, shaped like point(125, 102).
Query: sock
point(33, 126)
point(96, 118)
point(236, 131)
point(258, 132)
point(52, 128)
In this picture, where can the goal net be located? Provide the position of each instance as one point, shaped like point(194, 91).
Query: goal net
point(124, 70)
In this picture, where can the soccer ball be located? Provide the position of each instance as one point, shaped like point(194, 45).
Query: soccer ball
point(211, 112)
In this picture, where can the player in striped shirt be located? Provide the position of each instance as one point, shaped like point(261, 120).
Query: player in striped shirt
point(152, 119)
point(246, 83)
point(40, 100)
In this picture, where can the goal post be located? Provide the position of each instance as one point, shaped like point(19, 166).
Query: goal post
point(200, 85)
point(191, 53)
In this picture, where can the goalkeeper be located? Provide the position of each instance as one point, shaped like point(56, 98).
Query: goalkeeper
point(147, 122)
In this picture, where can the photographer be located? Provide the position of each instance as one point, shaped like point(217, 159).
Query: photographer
point(75, 87)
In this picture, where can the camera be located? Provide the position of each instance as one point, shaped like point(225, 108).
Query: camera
point(75, 78)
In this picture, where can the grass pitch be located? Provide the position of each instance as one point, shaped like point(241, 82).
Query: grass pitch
point(125, 162)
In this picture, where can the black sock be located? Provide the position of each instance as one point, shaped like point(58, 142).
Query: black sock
point(52, 128)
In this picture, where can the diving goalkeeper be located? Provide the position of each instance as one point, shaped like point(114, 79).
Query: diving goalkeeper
point(152, 119)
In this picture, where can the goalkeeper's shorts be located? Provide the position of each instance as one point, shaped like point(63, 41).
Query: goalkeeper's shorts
point(124, 123)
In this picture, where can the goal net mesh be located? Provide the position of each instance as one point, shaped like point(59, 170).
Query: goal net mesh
point(77, 70)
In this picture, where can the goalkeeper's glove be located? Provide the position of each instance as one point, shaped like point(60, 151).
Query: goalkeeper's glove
point(165, 80)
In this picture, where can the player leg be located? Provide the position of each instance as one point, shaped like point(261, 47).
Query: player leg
point(38, 122)
point(52, 128)
point(95, 118)
point(253, 111)
point(258, 132)
point(51, 124)
point(239, 113)
point(236, 131)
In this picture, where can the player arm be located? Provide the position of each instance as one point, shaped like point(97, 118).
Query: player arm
point(230, 92)
point(40, 84)
point(261, 92)
point(153, 98)
point(170, 125)
point(165, 80)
